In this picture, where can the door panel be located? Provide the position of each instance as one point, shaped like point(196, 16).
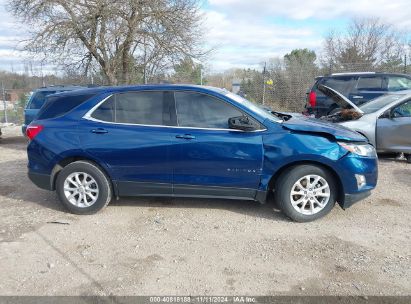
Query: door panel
point(130, 133)
point(217, 158)
point(208, 157)
point(138, 156)
point(394, 134)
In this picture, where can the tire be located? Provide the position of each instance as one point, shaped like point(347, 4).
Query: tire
point(408, 157)
point(97, 193)
point(311, 210)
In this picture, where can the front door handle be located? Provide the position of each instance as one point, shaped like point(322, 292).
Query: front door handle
point(357, 96)
point(186, 136)
point(99, 131)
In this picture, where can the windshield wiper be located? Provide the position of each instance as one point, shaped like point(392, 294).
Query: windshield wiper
point(282, 116)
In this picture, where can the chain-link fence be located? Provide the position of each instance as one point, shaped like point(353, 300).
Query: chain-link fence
point(285, 87)
point(13, 115)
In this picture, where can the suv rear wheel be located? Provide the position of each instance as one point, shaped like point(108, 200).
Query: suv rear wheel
point(305, 193)
point(83, 188)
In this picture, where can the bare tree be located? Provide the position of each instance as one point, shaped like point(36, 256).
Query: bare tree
point(125, 39)
point(367, 43)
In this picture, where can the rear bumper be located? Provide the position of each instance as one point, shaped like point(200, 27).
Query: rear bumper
point(351, 199)
point(23, 129)
point(40, 180)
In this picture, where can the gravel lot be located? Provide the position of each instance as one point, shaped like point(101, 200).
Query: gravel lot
point(203, 247)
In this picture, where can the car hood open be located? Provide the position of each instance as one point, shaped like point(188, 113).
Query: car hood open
point(339, 98)
point(311, 125)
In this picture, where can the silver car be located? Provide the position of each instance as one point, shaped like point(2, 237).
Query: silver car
point(385, 121)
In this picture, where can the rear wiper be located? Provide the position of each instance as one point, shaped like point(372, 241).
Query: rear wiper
point(282, 116)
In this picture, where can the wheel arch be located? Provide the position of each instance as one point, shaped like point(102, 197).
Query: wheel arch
point(337, 179)
point(70, 159)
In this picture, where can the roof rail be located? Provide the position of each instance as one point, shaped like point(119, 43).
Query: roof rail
point(352, 73)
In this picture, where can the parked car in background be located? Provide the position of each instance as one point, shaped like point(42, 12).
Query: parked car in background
point(385, 121)
point(193, 141)
point(37, 100)
point(357, 87)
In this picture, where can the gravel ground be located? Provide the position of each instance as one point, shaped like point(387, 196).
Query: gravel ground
point(162, 246)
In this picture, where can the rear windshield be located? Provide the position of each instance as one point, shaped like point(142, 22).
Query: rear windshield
point(379, 103)
point(59, 105)
point(341, 84)
point(38, 99)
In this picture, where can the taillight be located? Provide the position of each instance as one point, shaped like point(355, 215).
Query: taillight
point(33, 130)
point(312, 98)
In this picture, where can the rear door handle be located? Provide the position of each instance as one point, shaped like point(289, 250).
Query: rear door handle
point(186, 136)
point(99, 131)
point(357, 96)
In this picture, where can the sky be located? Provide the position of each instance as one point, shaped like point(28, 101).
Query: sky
point(245, 33)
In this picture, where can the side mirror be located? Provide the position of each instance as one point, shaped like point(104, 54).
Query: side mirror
point(386, 114)
point(241, 123)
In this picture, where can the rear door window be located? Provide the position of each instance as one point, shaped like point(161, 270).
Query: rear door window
point(140, 108)
point(374, 83)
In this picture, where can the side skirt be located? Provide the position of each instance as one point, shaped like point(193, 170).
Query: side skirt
point(127, 188)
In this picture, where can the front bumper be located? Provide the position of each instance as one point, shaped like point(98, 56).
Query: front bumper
point(351, 199)
point(350, 166)
point(40, 180)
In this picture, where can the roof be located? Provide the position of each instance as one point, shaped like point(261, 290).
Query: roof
point(114, 89)
point(367, 73)
point(59, 88)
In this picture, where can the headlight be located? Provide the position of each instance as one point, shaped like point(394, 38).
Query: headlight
point(360, 149)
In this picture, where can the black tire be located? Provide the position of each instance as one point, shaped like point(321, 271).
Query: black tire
point(287, 180)
point(408, 157)
point(104, 187)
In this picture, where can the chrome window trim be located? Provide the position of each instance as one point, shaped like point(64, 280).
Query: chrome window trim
point(87, 116)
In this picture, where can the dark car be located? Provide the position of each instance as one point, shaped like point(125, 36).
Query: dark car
point(193, 141)
point(357, 87)
point(37, 100)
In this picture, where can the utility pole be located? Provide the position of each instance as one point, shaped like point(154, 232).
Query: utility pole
point(405, 63)
point(4, 102)
point(201, 74)
point(265, 66)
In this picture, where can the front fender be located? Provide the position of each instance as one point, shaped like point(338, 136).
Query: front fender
point(283, 149)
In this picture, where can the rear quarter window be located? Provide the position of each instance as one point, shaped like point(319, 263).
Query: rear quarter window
point(56, 106)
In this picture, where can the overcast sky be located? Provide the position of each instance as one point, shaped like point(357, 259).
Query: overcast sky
point(244, 33)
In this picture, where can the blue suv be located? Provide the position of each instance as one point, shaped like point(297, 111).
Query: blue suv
point(38, 98)
point(192, 141)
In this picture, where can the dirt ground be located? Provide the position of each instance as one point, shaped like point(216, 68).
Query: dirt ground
point(162, 246)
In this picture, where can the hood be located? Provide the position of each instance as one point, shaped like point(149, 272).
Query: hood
point(339, 98)
point(311, 125)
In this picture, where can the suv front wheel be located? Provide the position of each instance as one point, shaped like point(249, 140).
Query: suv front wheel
point(305, 193)
point(83, 188)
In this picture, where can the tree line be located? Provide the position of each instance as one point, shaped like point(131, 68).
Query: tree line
point(113, 42)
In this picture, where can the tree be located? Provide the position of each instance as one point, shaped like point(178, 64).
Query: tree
point(127, 40)
point(186, 71)
point(301, 58)
point(367, 44)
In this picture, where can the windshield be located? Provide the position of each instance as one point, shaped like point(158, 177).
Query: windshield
point(380, 102)
point(253, 107)
point(38, 99)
